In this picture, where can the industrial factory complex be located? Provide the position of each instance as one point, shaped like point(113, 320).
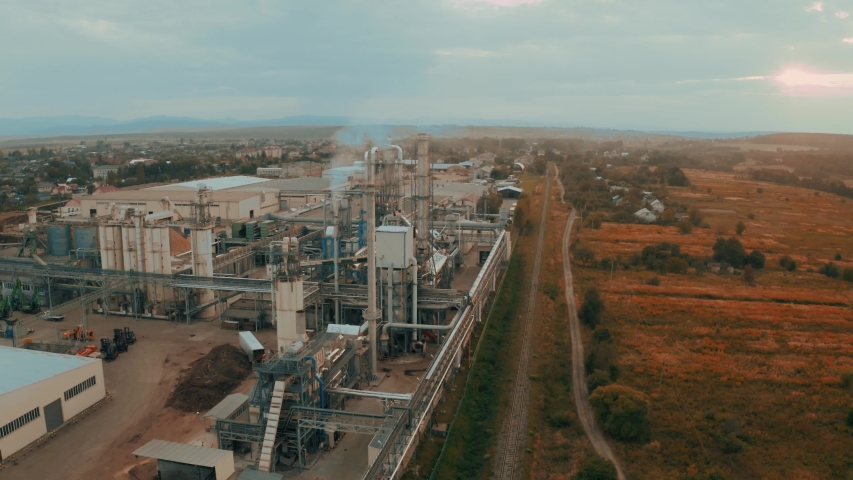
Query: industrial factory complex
point(354, 274)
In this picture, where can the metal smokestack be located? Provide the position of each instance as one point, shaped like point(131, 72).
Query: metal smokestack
point(423, 198)
point(372, 314)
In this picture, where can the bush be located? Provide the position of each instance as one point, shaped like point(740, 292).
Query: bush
point(749, 275)
point(596, 468)
point(676, 265)
point(730, 251)
point(788, 263)
point(847, 274)
point(560, 420)
point(601, 334)
point(756, 260)
point(654, 281)
point(847, 380)
point(622, 411)
point(550, 290)
point(591, 309)
point(685, 227)
point(838, 256)
point(740, 228)
point(599, 378)
point(732, 445)
point(584, 254)
point(850, 418)
point(830, 270)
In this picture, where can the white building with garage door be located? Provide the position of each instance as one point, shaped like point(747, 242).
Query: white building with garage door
point(40, 391)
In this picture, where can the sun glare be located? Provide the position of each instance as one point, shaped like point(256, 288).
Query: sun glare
point(800, 81)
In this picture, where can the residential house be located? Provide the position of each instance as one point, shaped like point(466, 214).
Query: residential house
point(487, 158)
point(645, 215)
point(657, 207)
point(71, 208)
point(64, 189)
point(44, 187)
point(448, 168)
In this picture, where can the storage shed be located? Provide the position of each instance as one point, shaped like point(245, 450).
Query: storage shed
point(40, 391)
point(179, 461)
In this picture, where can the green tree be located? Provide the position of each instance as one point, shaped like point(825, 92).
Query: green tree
point(739, 228)
point(684, 226)
point(599, 378)
point(112, 178)
point(730, 251)
point(788, 263)
point(140, 173)
point(676, 265)
point(847, 275)
point(596, 468)
point(756, 259)
point(850, 418)
point(696, 216)
point(584, 254)
point(592, 308)
point(622, 411)
point(749, 275)
point(830, 270)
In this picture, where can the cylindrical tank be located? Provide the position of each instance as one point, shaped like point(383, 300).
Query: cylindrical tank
point(85, 238)
point(59, 240)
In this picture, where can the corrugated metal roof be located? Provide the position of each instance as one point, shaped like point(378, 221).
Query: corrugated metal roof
point(219, 183)
point(22, 367)
point(249, 474)
point(183, 453)
point(227, 406)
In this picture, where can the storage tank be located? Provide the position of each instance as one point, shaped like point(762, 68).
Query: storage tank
point(85, 238)
point(59, 240)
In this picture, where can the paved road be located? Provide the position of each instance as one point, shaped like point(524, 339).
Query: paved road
point(509, 456)
point(585, 412)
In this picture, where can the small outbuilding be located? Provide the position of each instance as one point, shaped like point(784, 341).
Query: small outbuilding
point(510, 192)
point(645, 215)
point(179, 461)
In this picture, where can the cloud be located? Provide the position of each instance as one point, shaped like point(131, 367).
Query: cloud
point(848, 40)
point(503, 3)
point(842, 15)
point(816, 7)
point(797, 81)
point(465, 53)
point(752, 78)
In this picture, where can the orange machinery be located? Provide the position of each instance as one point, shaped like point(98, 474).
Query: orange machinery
point(78, 333)
point(87, 350)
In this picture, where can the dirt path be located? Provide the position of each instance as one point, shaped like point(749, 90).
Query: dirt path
point(585, 412)
point(508, 461)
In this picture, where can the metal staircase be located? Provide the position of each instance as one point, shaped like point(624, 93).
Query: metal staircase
point(265, 463)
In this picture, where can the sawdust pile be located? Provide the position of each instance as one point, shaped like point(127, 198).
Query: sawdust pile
point(210, 379)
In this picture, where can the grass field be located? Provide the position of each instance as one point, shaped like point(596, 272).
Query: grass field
point(745, 380)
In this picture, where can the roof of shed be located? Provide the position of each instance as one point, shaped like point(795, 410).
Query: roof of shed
point(183, 453)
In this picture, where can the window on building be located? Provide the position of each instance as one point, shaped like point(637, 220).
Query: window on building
point(26, 287)
point(8, 285)
point(20, 422)
point(251, 214)
point(77, 389)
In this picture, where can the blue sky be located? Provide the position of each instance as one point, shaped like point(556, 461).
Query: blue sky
point(648, 64)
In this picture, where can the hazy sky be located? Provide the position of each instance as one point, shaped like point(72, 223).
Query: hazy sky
point(721, 65)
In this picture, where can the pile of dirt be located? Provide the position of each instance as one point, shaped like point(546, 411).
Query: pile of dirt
point(210, 378)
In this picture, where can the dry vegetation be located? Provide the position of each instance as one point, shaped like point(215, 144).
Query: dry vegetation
point(745, 381)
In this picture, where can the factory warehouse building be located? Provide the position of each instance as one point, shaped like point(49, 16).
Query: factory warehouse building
point(40, 391)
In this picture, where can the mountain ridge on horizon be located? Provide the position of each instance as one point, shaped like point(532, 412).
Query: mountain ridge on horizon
point(95, 125)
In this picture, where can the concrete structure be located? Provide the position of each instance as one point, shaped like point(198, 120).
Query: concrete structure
point(177, 461)
point(102, 171)
point(232, 198)
point(41, 391)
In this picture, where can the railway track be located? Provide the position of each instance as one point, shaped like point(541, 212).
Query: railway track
point(509, 455)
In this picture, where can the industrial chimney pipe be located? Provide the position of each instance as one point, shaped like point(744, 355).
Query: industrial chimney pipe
point(372, 314)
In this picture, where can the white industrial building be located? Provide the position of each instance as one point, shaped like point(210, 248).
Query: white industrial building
point(40, 391)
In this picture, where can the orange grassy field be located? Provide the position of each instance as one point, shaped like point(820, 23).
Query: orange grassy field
point(745, 381)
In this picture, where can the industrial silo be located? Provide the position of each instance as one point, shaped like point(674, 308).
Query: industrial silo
point(85, 241)
point(59, 240)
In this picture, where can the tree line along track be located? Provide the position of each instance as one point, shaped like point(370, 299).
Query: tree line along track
point(509, 455)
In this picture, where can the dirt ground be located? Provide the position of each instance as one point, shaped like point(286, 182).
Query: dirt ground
point(140, 381)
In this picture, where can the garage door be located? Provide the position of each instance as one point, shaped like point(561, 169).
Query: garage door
point(53, 415)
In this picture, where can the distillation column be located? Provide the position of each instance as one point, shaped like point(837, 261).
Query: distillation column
point(202, 250)
point(372, 314)
point(423, 199)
